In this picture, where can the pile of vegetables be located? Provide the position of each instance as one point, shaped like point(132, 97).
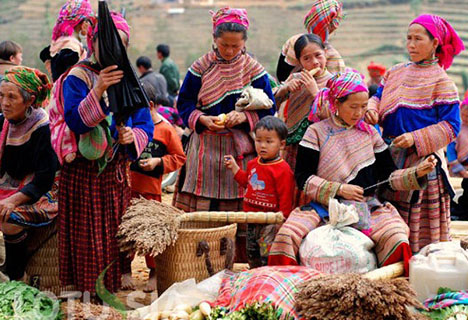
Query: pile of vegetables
point(21, 302)
point(255, 311)
point(183, 312)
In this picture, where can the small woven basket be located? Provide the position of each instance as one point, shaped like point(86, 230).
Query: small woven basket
point(43, 264)
point(202, 249)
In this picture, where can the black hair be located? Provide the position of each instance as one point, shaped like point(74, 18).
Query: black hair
point(373, 90)
point(230, 27)
point(343, 99)
point(163, 49)
point(304, 40)
point(144, 62)
point(272, 123)
point(9, 48)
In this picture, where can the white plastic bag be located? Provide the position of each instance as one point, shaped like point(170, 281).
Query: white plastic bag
point(336, 247)
point(253, 99)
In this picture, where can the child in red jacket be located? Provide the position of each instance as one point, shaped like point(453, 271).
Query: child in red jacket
point(270, 185)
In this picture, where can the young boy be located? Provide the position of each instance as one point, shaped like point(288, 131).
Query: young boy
point(270, 185)
point(457, 154)
point(162, 155)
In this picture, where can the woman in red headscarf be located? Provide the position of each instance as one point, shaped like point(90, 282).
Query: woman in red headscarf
point(417, 106)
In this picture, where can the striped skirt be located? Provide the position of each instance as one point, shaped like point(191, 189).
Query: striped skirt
point(90, 211)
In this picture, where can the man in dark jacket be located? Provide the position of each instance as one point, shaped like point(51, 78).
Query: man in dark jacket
point(156, 80)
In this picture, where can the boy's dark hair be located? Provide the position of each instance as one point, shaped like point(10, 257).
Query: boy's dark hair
point(230, 27)
point(144, 62)
point(163, 49)
point(9, 48)
point(272, 123)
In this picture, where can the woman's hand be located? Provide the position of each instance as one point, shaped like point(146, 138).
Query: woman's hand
point(426, 166)
point(69, 158)
point(404, 141)
point(351, 192)
point(235, 118)
point(125, 135)
point(149, 164)
point(372, 117)
point(107, 77)
point(6, 208)
point(293, 85)
point(209, 123)
point(309, 82)
point(231, 164)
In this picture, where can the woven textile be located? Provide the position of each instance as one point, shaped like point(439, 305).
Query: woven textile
point(71, 14)
point(217, 76)
point(90, 211)
point(324, 18)
point(32, 81)
point(277, 285)
point(446, 300)
point(230, 15)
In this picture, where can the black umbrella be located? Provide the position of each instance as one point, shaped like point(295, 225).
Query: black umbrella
point(128, 95)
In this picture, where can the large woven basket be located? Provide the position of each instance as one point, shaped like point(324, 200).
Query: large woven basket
point(43, 264)
point(202, 249)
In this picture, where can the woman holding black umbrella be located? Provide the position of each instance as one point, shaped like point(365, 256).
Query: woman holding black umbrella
point(94, 188)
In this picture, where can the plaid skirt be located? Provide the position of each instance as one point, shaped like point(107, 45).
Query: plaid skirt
point(90, 211)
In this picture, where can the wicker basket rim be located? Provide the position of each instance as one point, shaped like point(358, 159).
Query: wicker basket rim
point(222, 228)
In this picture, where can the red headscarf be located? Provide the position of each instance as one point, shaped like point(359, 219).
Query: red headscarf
point(376, 67)
point(449, 41)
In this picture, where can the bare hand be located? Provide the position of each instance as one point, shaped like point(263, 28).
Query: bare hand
point(108, 77)
point(351, 192)
point(125, 135)
point(70, 157)
point(372, 117)
point(235, 118)
point(209, 123)
point(149, 164)
point(231, 163)
point(426, 166)
point(463, 174)
point(404, 141)
point(6, 208)
point(293, 85)
point(309, 82)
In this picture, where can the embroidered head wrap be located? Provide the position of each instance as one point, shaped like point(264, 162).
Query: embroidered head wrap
point(226, 15)
point(377, 68)
point(120, 23)
point(449, 41)
point(341, 85)
point(71, 14)
point(32, 81)
point(324, 18)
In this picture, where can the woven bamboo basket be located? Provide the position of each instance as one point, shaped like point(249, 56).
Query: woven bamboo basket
point(203, 248)
point(43, 264)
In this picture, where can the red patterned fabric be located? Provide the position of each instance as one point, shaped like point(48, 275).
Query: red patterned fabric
point(90, 211)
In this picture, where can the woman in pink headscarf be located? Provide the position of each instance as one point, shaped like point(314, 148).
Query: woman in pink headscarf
point(417, 106)
point(68, 37)
point(94, 187)
point(344, 158)
point(211, 88)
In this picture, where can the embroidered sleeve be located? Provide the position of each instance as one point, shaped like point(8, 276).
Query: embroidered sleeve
point(188, 99)
point(432, 138)
point(406, 179)
point(142, 128)
point(320, 190)
point(82, 109)
point(193, 118)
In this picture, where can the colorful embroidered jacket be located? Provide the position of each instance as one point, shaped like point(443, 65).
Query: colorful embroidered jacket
point(83, 111)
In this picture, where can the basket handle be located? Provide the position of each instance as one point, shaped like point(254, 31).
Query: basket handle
point(227, 248)
point(203, 248)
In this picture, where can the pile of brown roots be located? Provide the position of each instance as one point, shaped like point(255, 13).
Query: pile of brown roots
point(353, 297)
point(87, 311)
point(148, 227)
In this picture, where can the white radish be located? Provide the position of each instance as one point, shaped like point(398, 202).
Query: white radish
point(205, 308)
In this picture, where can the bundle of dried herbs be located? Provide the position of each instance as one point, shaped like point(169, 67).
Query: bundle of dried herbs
point(351, 296)
point(148, 227)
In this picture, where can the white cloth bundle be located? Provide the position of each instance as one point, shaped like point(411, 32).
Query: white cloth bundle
point(253, 99)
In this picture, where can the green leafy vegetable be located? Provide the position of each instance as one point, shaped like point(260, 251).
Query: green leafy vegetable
point(108, 297)
point(21, 302)
point(255, 311)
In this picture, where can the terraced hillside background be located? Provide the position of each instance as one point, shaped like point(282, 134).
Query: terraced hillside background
point(373, 29)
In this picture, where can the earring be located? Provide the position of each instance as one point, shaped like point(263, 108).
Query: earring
point(214, 47)
point(244, 50)
point(29, 111)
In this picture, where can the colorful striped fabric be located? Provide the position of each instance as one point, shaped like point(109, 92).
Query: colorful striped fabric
point(446, 300)
point(217, 77)
point(324, 18)
point(230, 15)
point(413, 86)
point(72, 13)
point(32, 81)
point(277, 285)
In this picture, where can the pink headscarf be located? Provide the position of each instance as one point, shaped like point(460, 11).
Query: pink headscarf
point(449, 41)
point(71, 14)
point(227, 14)
point(339, 86)
point(120, 23)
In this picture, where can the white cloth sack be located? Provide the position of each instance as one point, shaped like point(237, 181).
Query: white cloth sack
point(253, 99)
point(336, 247)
